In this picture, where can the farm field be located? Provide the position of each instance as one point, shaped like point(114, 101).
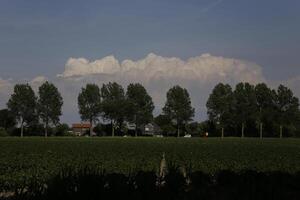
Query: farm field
point(30, 162)
point(44, 156)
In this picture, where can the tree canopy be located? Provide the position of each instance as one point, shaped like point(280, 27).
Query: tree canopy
point(178, 107)
point(49, 104)
point(256, 108)
point(22, 104)
point(89, 104)
point(114, 104)
point(140, 105)
point(220, 105)
point(7, 119)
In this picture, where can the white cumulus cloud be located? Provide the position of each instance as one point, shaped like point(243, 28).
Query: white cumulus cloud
point(203, 68)
point(157, 73)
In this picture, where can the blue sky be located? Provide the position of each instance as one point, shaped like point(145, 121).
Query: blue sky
point(38, 36)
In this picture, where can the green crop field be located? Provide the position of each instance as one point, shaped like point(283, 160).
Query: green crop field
point(22, 158)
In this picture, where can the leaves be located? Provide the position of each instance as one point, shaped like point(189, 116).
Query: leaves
point(140, 104)
point(22, 104)
point(49, 103)
point(178, 106)
point(89, 103)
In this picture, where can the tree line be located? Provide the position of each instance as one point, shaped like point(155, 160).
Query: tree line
point(256, 109)
point(246, 110)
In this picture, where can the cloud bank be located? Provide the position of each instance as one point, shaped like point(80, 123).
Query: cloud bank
point(154, 67)
point(157, 73)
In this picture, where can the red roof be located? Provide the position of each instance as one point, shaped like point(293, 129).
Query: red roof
point(83, 125)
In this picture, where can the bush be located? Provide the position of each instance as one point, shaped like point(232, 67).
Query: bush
point(3, 132)
point(62, 130)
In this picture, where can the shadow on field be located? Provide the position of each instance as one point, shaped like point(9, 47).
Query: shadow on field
point(90, 183)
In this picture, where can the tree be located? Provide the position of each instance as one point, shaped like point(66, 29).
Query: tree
point(62, 129)
point(89, 104)
point(165, 124)
point(22, 104)
point(265, 102)
point(113, 104)
point(287, 106)
point(244, 104)
point(178, 106)
point(140, 104)
point(49, 105)
point(220, 105)
point(193, 128)
point(7, 119)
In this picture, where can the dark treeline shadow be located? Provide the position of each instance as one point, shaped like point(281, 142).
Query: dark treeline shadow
point(92, 183)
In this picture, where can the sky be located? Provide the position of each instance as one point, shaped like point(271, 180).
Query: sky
point(195, 43)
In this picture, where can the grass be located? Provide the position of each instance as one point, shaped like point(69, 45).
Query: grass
point(26, 155)
point(28, 160)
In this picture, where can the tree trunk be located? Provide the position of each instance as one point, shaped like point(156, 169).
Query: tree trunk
point(281, 130)
point(46, 131)
point(243, 129)
point(178, 133)
point(112, 129)
point(222, 132)
point(22, 128)
point(136, 126)
point(261, 130)
point(136, 129)
point(91, 127)
point(46, 128)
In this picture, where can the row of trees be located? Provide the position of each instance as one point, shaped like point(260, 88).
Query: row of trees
point(135, 106)
point(27, 108)
point(255, 107)
point(111, 103)
point(246, 110)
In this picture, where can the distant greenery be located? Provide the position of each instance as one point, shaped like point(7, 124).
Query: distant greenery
point(49, 105)
point(254, 110)
point(246, 110)
point(27, 161)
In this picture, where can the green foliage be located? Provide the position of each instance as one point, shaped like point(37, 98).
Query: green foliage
point(22, 104)
point(3, 132)
point(245, 103)
point(114, 104)
point(7, 119)
point(255, 108)
point(140, 105)
point(21, 160)
point(194, 129)
point(220, 106)
point(287, 105)
point(62, 130)
point(89, 103)
point(178, 106)
point(165, 124)
point(49, 104)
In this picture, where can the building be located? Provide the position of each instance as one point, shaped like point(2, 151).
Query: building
point(80, 129)
point(152, 129)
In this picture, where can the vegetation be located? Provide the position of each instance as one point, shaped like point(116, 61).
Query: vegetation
point(89, 104)
point(178, 107)
point(23, 105)
point(114, 104)
point(247, 110)
point(140, 105)
point(255, 110)
point(32, 161)
point(49, 105)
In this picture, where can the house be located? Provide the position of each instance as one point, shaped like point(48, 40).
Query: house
point(152, 129)
point(80, 129)
point(149, 129)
